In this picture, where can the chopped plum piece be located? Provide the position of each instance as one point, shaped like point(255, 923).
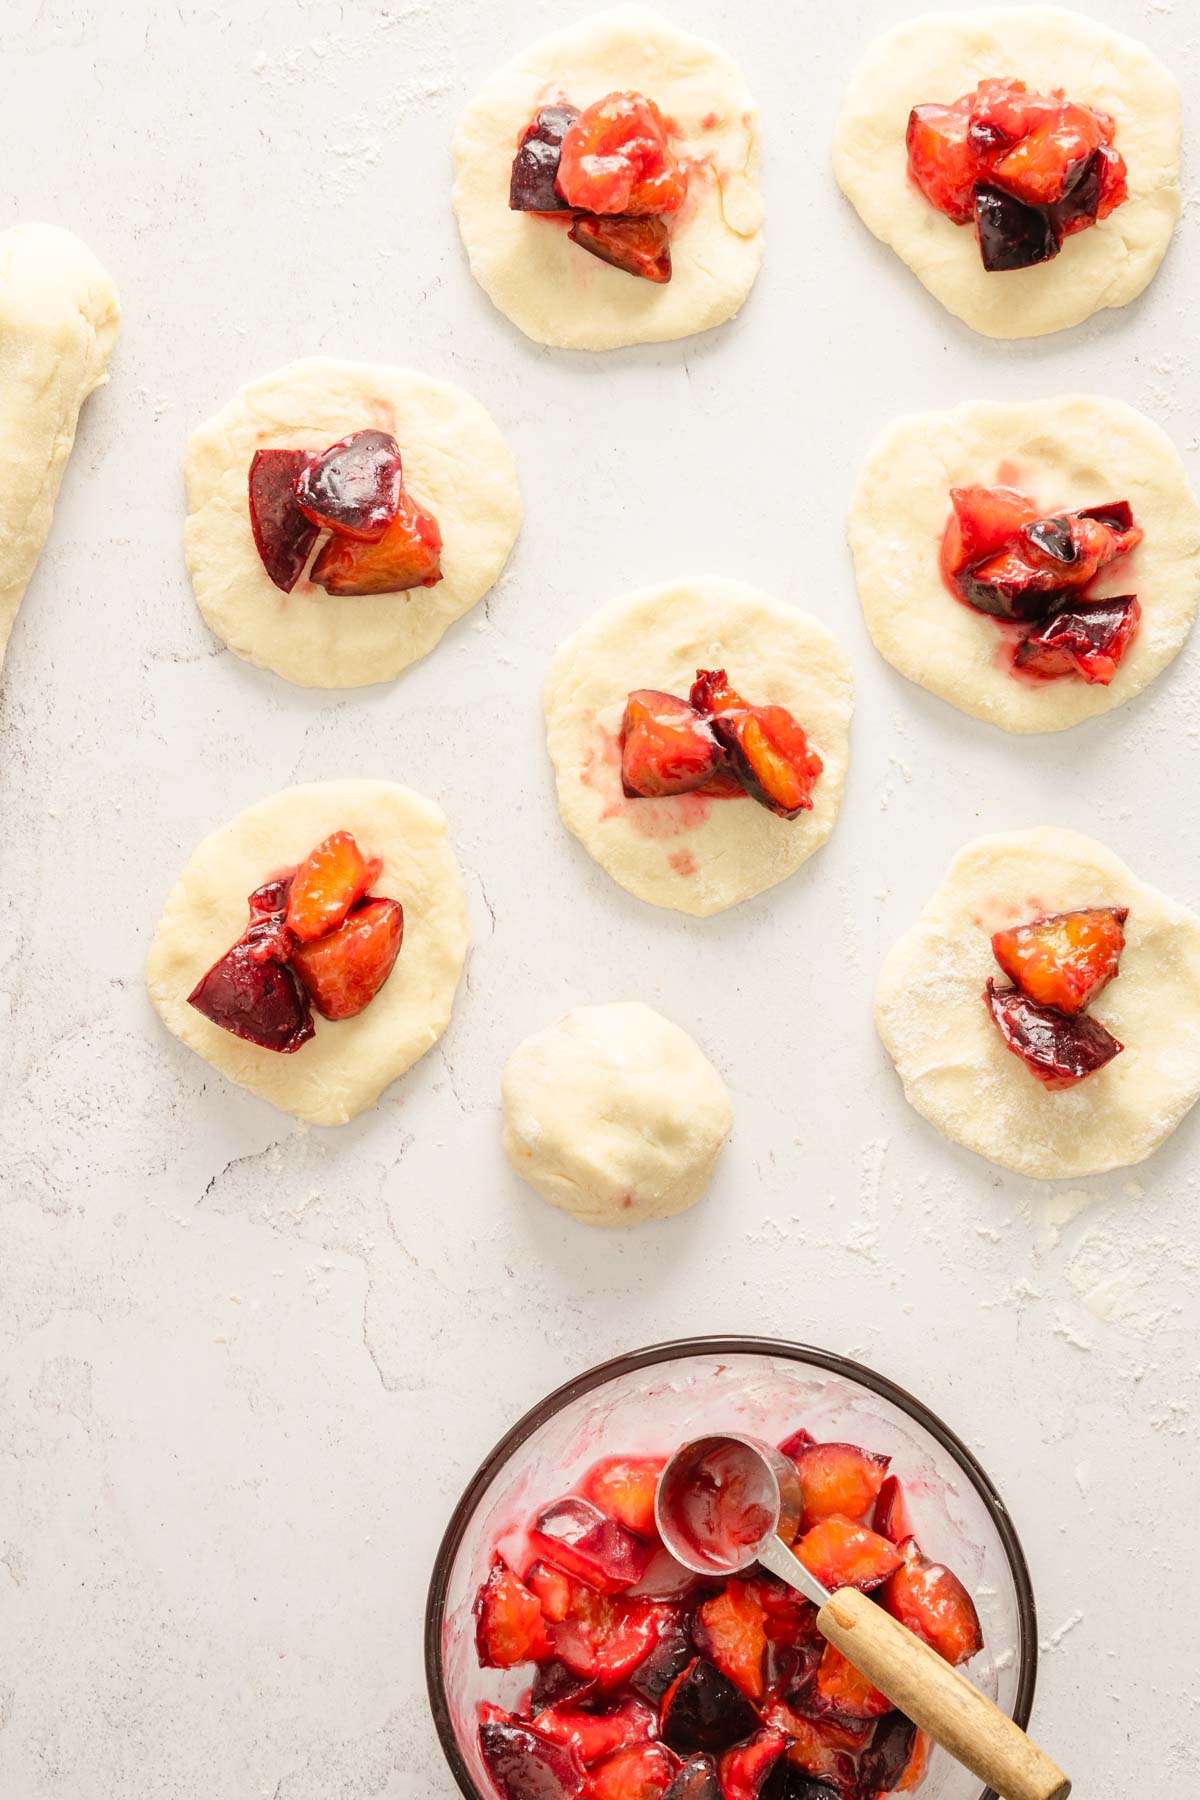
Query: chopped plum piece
point(942, 159)
point(624, 1486)
point(555, 1590)
point(1065, 959)
point(269, 899)
point(839, 1478)
point(578, 1537)
point(354, 487)
point(933, 1603)
point(636, 1629)
point(1028, 570)
point(283, 536)
point(526, 1766)
point(884, 1762)
point(1012, 235)
point(825, 1748)
point(767, 748)
point(844, 1690)
point(702, 1710)
point(641, 1773)
point(344, 970)
point(914, 1769)
point(798, 1441)
point(667, 747)
point(255, 997)
point(744, 1769)
point(730, 1629)
point(696, 1780)
point(615, 158)
point(1045, 165)
point(1087, 639)
point(983, 521)
point(594, 1735)
point(639, 246)
point(671, 1654)
point(891, 1512)
point(787, 1616)
point(554, 1685)
point(408, 555)
point(1057, 1049)
point(509, 1627)
point(531, 185)
point(327, 884)
point(842, 1554)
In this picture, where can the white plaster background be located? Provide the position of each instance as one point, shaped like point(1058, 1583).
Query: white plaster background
point(247, 1369)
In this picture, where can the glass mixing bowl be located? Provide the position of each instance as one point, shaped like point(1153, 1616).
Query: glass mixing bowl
point(653, 1399)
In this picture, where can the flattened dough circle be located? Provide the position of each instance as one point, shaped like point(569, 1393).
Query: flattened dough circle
point(939, 57)
point(554, 291)
point(955, 1068)
point(347, 1065)
point(58, 323)
point(455, 463)
point(1077, 450)
point(686, 851)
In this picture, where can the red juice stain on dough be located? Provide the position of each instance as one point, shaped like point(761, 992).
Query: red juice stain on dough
point(667, 817)
point(683, 862)
point(1009, 475)
point(721, 1507)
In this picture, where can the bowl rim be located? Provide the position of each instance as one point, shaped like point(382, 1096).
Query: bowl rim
point(675, 1350)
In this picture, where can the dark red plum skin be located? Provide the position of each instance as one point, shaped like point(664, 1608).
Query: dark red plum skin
point(525, 1766)
point(354, 487)
point(702, 1710)
point(1011, 234)
point(531, 185)
point(1057, 1049)
point(1077, 635)
point(255, 997)
point(283, 536)
point(578, 1537)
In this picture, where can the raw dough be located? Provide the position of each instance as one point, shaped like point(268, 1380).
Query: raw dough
point(58, 324)
point(1078, 450)
point(955, 1068)
point(455, 463)
point(614, 1114)
point(686, 851)
point(941, 56)
point(347, 1065)
point(552, 289)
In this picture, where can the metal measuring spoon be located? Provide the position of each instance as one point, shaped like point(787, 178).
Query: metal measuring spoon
point(726, 1502)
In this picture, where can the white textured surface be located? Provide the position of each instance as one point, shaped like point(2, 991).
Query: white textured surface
point(246, 1368)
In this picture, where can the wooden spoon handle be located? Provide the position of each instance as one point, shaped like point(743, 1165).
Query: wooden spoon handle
point(939, 1699)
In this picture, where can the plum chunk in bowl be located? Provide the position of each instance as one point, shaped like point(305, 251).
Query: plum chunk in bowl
point(646, 1403)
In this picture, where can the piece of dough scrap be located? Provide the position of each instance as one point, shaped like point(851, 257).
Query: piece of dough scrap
point(58, 324)
point(349, 1062)
point(691, 852)
point(941, 56)
point(1073, 451)
point(956, 1070)
point(455, 463)
point(554, 291)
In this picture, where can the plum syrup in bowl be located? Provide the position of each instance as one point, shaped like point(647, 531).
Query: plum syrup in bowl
point(652, 1400)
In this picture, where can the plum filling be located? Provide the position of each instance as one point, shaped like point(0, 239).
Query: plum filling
point(674, 746)
point(315, 939)
point(1027, 170)
point(380, 541)
point(1058, 964)
point(1003, 558)
point(721, 1689)
point(611, 167)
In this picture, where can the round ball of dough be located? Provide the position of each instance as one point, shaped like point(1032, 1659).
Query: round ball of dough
point(614, 1114)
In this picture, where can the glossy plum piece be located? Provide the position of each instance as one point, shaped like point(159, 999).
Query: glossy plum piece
point(1047, 164)
point(696, 1780)
point(891, 1518)
point(616, 158)
point(509, 1627)
point(842, 1554)
point(329, 881)
point(283, 536)
point(577, 1537)
point(256, 998)
point(594, 1735)
point(942, 157)
point(354, 487)
point(531, 185)
point(730, 1629)
point(639, 246)
point(841, 1688)
point(1058, 1050)
point(667, 747)
point(408, 555)
point(824, 1748)
point(526, 1766)
point(344, 970)
point(554, 1685)
point(1088, 639)
point(744, 1770)
point(838, 1478)
point(623, 1487)
point(1011, 234)
point(884, 1761)
point(702, 1710)
point(670, 1656)
point(767, 748)
point(1065, 959)
point(643, 1772)
point(931, 1600)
